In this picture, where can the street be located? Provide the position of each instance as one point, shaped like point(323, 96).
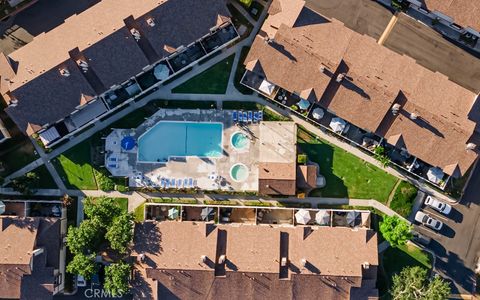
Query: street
point(457, 245)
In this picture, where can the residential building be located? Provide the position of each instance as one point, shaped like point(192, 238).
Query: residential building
point(425, 118)
point(85, 68)
point(197, 260)
point(30, 258)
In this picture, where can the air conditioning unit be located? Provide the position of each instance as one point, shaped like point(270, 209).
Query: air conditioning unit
point(151, 22)
point(396, 108)
point(340, 77)
point(413, 116)
point(64, 72)
point(135, 33)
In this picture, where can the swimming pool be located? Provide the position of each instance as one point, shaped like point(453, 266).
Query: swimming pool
point(180, 139)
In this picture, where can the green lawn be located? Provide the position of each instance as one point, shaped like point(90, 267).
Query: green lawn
point(123, 203)
point(403, 198)
point(395, 259)
point(138, 213)
point(346, 175)
point(240, 71)
point(211, 81)
point(74, 166)
point(45, 179)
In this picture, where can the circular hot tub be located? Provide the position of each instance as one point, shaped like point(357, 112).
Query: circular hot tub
point(239, 140)
point(239, 172)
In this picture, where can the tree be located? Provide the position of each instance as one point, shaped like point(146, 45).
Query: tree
point(103, 209)
point(86, 237)
point(396, 231)
point(24, 183)
point(116, 278)
point(413, 283)
point(120, 234)
point(83, 265)
point(66, 200)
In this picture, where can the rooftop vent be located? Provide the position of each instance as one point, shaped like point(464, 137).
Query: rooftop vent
point(283, 262)
point(413, 116)
point(471, 146)
point(64, 72)
point(13, 102)
point(340, 77)
point(83, 65)
point(135, 33)
point(303, 262)
point(396, 108)
point(203, 259)
point(151, 22)
point(221, 259)
point(366, 265)
point(268, 40)
point(322, 68)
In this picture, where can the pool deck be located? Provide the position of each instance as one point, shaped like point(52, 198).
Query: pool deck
point(208, 173)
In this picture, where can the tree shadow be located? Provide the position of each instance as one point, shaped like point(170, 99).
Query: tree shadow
point(148, 240)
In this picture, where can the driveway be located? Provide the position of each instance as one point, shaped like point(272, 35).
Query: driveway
point(363, 16)
point(41, 17)
point(458, 244)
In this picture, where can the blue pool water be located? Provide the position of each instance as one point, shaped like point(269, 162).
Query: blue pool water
point(180, 139)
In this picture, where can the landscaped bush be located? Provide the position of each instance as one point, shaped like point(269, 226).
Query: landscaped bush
point(403, 198)
point(220, 202)
point(257, 203)
point(294, 204)
point(139, 213)
point(302, 159)
point(246, 3)
point(174, 200)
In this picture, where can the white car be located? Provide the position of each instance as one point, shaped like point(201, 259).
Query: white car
point(81, 282)
point(428, 221)
point(442, 207)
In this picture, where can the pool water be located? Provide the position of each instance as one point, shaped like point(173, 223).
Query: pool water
point(239, 172)
point(180, 139)
point(239, 140)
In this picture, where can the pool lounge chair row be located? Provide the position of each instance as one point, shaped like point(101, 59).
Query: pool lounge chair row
point(247, 117)
point(172, 183)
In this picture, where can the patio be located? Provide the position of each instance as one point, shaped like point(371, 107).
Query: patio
point(275, 216)
point(220, 37)
point(187, 56)
point(237, 215)
point(162, 213)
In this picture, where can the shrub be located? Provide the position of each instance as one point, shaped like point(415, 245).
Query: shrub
point(396, 231)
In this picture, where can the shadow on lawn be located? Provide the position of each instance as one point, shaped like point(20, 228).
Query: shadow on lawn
point(322, 154)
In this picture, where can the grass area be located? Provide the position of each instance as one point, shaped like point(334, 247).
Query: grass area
point(403, 198)
point(257, 203)
point(239, 20)
point(240, 71)
point(75, 168)
point(175, 200)
point(122, 203)
point(45, 179)
point(294, 204)
point(15, 154)
point(220, 202)
point(346, 175)
point(395, 259)
point(268, 115)
point(211, 81)
point(138, 213)
point(255, 6)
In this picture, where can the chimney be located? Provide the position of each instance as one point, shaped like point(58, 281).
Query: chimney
point(413, 116)
point(396, 108)
point(471, 146)
point(340, 77)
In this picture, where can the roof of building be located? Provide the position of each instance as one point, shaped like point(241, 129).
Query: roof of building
point(22, 236)
point(254, 251)
point(307, 176)
point(100, 35)
point(276, 178)
point(374, 79)
point(464, 12)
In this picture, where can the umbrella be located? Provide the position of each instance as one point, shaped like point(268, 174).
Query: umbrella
point(302, 216)
point(337, 124)
point(2, 207)
point(267, 87)
point(351, 216)
point(173, 213)
point(206, 213)
point(128, 143)
point(303, 104)
point(318, 113)
point(161, 72)
point(435, 174)
point(322, 217)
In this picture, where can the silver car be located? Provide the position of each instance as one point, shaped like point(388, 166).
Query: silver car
point(428, 221)
point(437, 205)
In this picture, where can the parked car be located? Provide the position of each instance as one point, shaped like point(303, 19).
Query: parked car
point(428, 221)
point(81, 282)
point(440, 206)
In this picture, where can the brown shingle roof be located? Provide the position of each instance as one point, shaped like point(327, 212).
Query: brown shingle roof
point(307, 176)
point(253, 252)
point(464, 12)
point(276, 178)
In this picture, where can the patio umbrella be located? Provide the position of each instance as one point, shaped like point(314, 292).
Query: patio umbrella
point(322, 217)
point(351, 216)
point(435, 174)
point(2, 207)
point(161, 72)
point(267, 87)
point(318, 113)
point(173, 213)
point(303, 104)
point(302, 216)
point(338, 125)
point(206, 212)
point(128, 143)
